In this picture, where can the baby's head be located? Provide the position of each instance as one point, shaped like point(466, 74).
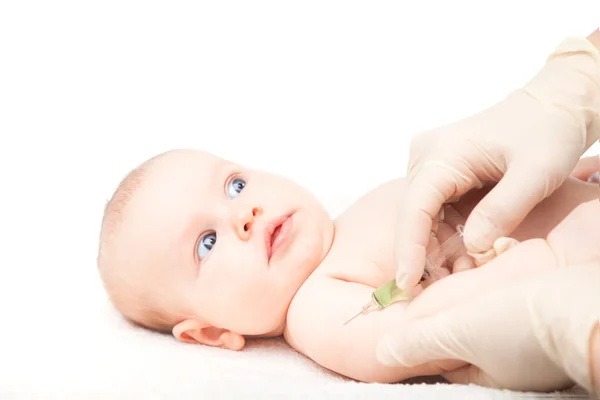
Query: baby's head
point(196, 245)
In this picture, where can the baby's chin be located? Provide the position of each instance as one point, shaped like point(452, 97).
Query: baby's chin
point(260, 332)
point(257, 321)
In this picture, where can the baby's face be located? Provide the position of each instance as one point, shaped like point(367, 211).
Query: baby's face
point(225, 245)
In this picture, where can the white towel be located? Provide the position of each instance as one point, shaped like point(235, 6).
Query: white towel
point(99, 355)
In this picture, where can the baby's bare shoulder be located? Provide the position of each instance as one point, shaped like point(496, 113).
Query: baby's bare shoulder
point(383, 199)
point(366, 231)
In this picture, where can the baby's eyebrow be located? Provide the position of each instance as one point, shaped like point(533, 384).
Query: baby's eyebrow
point(220, 174)
point(217, 178)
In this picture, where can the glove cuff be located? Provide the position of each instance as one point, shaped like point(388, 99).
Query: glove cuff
point(564, 311)
point(570, 81)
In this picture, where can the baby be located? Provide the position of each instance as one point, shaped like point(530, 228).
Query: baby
point(215, 253)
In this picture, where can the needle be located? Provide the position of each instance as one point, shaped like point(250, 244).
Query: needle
point(389, 293)
point(366, 308)
point(361, 311)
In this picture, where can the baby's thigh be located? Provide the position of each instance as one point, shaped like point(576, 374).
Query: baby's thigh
point(576, 239)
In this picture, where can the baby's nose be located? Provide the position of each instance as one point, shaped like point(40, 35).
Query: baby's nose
point(246, 222)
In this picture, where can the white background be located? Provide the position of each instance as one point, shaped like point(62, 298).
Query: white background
point(325, 92)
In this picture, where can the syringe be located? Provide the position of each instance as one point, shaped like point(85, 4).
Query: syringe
point(388, 293)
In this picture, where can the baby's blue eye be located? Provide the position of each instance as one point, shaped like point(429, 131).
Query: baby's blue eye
point(206, 244)
point(235, 187)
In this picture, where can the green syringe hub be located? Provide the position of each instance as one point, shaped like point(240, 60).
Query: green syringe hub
point(389, 293)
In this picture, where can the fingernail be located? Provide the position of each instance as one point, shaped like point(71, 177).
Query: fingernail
point(594, 178)
point(479, 234)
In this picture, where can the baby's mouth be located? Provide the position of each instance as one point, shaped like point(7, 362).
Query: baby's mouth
point(275, 234)
point(278, 233)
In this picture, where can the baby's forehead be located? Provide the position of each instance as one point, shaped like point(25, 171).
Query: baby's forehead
point(183, 171)
point(183, 160)
point(175, 186)
point(178, 178)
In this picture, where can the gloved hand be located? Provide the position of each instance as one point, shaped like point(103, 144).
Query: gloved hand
point(588, 170)
point(528, 143)
point(531, 334)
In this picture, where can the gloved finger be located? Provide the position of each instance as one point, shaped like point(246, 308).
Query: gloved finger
point(427, 340)
point(420, 146)
point(458, 289)
point(504, 207)
point(462, 264)
point(586, 168)
point(500, 246)
point(470, 374)
point(437, 220)
point(414, 162)
point(425, 196)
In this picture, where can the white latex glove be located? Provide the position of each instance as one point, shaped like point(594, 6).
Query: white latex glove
point(531, 334)
point(528, 143)
point(588, 169)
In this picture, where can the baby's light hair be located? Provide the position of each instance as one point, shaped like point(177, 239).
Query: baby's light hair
point(136, 304)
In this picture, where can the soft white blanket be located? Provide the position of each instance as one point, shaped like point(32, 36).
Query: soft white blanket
point(98, 355)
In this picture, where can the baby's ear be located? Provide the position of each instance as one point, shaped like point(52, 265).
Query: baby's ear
point(194, 331)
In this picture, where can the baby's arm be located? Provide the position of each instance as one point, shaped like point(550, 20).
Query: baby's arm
point(315, 327)
point(315, 323)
